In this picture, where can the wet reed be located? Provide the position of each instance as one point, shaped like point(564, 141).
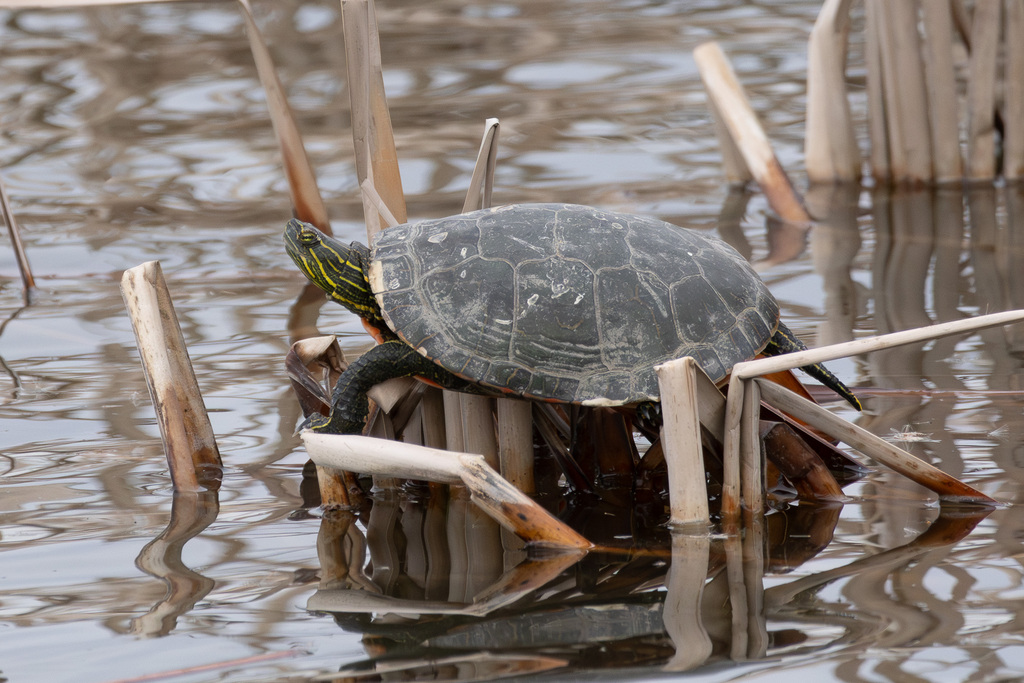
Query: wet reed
point(945, 99)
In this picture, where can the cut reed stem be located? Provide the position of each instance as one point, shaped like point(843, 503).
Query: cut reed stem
point(789, 361)
point(1013, 93)
point(309, 205)
point(948, 487)
point(731, 102)
point(14, 231)
point(188, 438)
point(681, 441)
point(509, 506)
point(940, 77)
point(372, 136)
point(981, 90)
point(830, 147)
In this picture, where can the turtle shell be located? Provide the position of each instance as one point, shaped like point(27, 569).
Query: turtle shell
point(569, 303)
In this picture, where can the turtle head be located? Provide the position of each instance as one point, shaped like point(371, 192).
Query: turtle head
point(334, 267)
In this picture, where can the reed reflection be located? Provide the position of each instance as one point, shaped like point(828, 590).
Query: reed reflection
point(940, 254)
point(191, 513)
point(431, 589)
point(7, 369)
point(929, 266)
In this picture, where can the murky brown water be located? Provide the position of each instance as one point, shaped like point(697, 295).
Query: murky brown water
point(140, 132)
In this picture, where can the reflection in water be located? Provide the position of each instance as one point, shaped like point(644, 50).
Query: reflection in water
point(191, 513)
point(928, 268)
point(8, 370)
point(676, 607)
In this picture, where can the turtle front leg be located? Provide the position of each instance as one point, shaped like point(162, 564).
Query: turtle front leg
point(349, 405)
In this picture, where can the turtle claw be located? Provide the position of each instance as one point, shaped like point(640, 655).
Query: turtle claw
point(305, 424)
point(316, 422)
point(649, 415)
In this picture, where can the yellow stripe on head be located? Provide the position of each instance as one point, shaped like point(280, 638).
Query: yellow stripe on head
point(332, 266)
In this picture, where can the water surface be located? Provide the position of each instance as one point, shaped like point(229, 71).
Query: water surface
point(140, 132)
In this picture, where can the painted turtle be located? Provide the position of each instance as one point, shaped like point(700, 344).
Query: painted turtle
point(555, 302)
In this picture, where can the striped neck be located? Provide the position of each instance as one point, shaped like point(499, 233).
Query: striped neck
point(332, 266)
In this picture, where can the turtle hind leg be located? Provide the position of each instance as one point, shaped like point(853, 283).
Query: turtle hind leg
point(784, 341)
point(349, 405)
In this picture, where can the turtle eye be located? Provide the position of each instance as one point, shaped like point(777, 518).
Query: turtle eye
point(309, 238)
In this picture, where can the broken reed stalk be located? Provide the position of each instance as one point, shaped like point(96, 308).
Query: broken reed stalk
point(511, 449)
point(732, 448)
point(743, 372)
point(683, 457)
point(372, 136)
point(681, 441)
point(736, 170)
point(452, 404)
point(877, 131)
point(728, 98)
point(305, 195)
point(478, 435)
point(481, 184)
point(940, 76)
point(912, 94)
point(830, 146)
point(507, 505)
point(981, 90)
point(314, 365)
point(789, 361)
point(14, 231)
point(752, 464)
point(369, 455)
point(1013, 93)
point(432, 407)
point(906, 100)
point(915, 469)
point(515, 442)
point(188, 438)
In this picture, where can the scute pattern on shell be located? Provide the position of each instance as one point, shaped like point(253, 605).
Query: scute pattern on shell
point(569, 303)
